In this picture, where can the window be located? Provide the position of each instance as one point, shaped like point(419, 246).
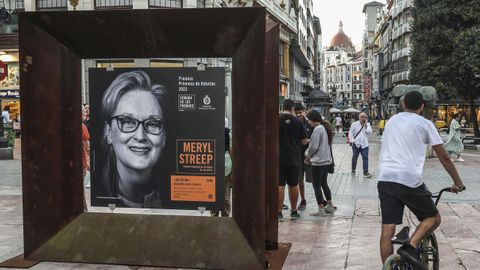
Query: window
point(166, 3)
point(163, 64)
point(200, 3)
point(52, 4)
point(101, 4)
point(115, 64)
point(282, 63)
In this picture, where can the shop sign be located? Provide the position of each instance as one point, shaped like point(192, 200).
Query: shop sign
point(3, 70)
point(9, 94)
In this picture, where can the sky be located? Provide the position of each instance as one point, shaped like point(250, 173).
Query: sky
point(330, 12)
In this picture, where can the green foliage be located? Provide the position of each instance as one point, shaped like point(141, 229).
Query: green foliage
point(446, 46)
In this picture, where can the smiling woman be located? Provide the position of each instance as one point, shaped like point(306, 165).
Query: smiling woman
point(133, 115)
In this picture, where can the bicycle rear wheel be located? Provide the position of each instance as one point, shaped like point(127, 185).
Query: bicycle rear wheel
point(429, 252)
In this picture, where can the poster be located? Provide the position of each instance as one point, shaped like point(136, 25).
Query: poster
point(157, 137)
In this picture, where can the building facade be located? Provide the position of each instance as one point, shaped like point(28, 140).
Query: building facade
point(297, 47)
point(337, 69)
point(371, 58)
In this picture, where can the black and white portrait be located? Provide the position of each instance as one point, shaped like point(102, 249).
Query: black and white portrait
point(138, 117)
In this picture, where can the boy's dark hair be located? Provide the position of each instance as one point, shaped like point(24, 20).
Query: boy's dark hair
point(288, 105)
point(413, 100)
point(298, 107)
point(314, 116)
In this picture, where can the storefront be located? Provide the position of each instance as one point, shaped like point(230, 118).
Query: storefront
point(446, 110)
point(10, 85)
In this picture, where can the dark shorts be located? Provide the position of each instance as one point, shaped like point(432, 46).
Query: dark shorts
point(289, 175)
point(393, 198)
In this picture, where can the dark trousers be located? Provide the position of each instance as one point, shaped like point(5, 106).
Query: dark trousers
point(364, 153)
point(320, 174)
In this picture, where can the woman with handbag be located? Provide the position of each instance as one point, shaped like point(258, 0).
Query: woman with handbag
point(319, 155)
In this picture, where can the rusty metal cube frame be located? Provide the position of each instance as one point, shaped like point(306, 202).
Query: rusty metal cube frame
point(52, 45)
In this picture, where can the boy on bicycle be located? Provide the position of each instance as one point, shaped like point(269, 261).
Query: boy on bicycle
point(401, 161)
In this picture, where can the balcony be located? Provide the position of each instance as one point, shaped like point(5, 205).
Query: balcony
point(399, 8)
point(51, 5)
point(165, 3)
point(279, 13)
point(401, 76)
point(401, 30)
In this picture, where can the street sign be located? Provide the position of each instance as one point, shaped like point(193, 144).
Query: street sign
point(3, 70)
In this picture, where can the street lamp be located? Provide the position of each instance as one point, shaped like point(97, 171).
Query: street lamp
point(333, 92)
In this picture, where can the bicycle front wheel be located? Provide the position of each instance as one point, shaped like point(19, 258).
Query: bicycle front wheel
point(429, 252)
point(392, 262)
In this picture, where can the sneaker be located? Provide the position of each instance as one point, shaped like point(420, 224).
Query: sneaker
point(294, 215)
point(325, 203)
point(452, 159)
point(280, 217)
point(367, 175)
point(353, 173)
point(460, 159)
point(303, 205)
point(329, 209)
point(410, 254)
point(285, 207)
point(320, 212)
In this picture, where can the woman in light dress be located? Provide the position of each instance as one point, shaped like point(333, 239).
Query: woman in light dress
point(454, 145)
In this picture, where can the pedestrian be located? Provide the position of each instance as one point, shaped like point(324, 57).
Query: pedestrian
point(228, 175)
point(299, 111)
point(463, 122)
point(319, 155)
point(346, 126)
point(401, 161)
point(6, 114)
point(292, 135)
point(338, 122)
point(85, 156)
point(454, 145)
point(357, 136)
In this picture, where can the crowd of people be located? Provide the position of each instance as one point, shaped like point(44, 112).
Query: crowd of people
point(306, 145)
point(306, 154)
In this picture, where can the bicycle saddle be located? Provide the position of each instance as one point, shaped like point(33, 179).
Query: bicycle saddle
point(403, 237)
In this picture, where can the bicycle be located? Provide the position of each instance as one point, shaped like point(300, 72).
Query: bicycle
point(429, 253)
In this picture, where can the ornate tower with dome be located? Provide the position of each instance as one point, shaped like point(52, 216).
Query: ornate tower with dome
point(340, 39)
point(338, 69)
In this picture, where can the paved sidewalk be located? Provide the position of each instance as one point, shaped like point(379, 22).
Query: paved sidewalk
point(350, 238)
point(346, 240)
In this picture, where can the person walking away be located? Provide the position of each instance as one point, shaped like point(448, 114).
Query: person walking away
point(338, 122)
point(228, 175)
point(346, 126)
point(401, 161)
point(6, 114)
point(299, 111)
point(454, 145)
point(359, 141)
point(319, 154)
point(292, 135)
point(463, 122)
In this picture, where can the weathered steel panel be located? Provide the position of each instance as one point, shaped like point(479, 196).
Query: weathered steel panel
point(271, 133)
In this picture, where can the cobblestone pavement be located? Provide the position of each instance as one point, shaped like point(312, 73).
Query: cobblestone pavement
point(346, 240)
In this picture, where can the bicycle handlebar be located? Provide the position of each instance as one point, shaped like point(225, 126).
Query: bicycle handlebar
point(448, 189)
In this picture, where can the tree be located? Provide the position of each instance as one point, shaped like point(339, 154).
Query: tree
point(446, 49)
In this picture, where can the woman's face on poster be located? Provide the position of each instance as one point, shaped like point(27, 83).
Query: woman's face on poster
point(137, 132)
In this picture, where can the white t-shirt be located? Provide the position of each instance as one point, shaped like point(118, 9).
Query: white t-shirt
point(338, 121)
point(403, 149)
